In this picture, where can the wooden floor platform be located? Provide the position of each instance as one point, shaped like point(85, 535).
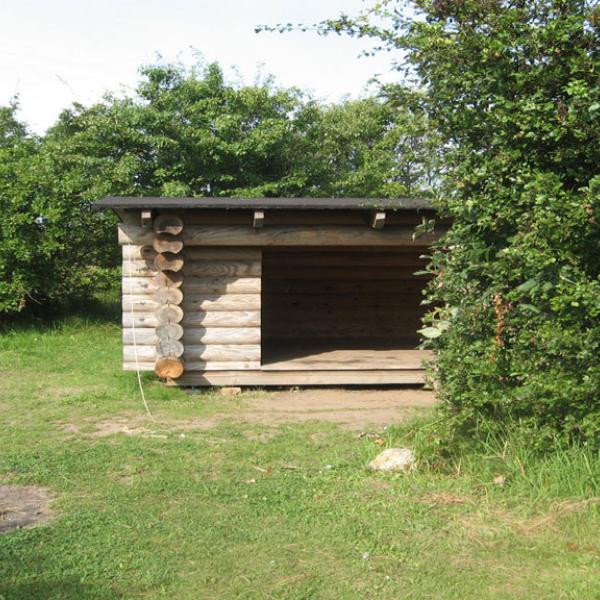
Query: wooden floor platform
point(352, 356)
point(323, 364)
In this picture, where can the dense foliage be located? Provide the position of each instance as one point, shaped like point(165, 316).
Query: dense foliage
point(183, 133)
point(513, 88)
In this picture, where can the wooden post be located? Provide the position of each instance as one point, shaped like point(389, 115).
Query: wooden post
point(169, 261)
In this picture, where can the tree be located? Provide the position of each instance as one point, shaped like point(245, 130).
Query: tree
point(512, 88)
point(183, 132)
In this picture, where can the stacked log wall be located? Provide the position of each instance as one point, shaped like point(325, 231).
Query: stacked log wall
point(220, 303)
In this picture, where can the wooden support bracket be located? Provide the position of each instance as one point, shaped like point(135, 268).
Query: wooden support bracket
point(378, 219)
point(259, 219)
point(146, 219)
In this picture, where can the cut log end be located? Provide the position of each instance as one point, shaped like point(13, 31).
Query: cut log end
point(168, 296)
point(173, 331)
point(168, 224)
point(168, 262)
point(169, 348)
point(168, 313)
point(169, 367)
point(165, 242)
point(169, 279)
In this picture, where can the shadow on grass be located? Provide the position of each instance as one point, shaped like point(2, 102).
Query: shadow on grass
point(97, 310)
point(66, 589)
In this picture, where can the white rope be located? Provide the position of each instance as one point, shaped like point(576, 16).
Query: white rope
point(135, 352)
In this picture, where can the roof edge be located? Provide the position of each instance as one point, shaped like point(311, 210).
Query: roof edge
point(195, 203)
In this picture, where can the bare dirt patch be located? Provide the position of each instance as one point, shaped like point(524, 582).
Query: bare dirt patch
point(351, 409)
point(23, 506)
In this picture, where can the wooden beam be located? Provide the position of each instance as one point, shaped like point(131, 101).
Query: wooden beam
point(378, 219)
point(258, 219)
point(233, 377)
point(197, 235)
point(217, 318)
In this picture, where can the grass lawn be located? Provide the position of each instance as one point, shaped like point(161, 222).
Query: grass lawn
point(241, 510)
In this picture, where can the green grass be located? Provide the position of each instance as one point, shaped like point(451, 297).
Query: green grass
point(221, 513)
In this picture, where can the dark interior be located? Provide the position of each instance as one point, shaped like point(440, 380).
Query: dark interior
point(355, 306)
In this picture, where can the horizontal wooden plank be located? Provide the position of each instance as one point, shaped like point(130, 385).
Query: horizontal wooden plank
point(340, 259)
point(222, 285)
point(197, 285)
point(237, 318)
point(228, 302)
point(300, 217)
point(138, 268)
point(198, 235)
point(222, 268)
point(287, 378)
point(364, 303)
point(222, 253)
point(344, 273)
point(298, 357)
point(197, 335)
point(199, 352)
point(138, 285)
point(349, 286)
point(200, 366)
point(139, 303)
point(129, 234)
point(138, 252)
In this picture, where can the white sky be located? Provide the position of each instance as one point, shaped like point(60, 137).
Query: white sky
point(54, 52)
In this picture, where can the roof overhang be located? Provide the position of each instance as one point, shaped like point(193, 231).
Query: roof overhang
point(164, 203)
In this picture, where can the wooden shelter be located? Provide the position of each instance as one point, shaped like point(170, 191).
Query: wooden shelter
point(273, 291)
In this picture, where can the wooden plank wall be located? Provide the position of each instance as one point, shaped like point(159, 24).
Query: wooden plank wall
point(221, 303)
point(350, 294)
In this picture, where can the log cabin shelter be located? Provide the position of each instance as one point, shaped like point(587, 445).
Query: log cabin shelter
point(273, 291)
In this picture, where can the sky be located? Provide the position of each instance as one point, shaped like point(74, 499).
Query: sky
point(55, 52)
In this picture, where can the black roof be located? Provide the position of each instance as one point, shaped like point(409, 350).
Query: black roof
point(264, 203)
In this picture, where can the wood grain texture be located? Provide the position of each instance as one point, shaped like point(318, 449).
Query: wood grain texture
point(198, 235)
point(149, 336)
point(224, 253)
point(139, 268)
point(198, 319)
point(199, 352)
point(200, 366)
point(340, 295)
point(168, 313)
point(138, 303)
point(168, 261)
point(194, 285)
point(169, 295)
point(172, 331)
point(168, 348)
point(168, 279)
point(128, 233)
point(169, 367)
point(168, 223)
point(228, 302)
point(138, 252)
point(165, 242)
point(222, 285)
point(305, 378)
point(222, 268)
point(305, 356)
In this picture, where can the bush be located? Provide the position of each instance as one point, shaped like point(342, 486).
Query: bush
point(512, 88)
